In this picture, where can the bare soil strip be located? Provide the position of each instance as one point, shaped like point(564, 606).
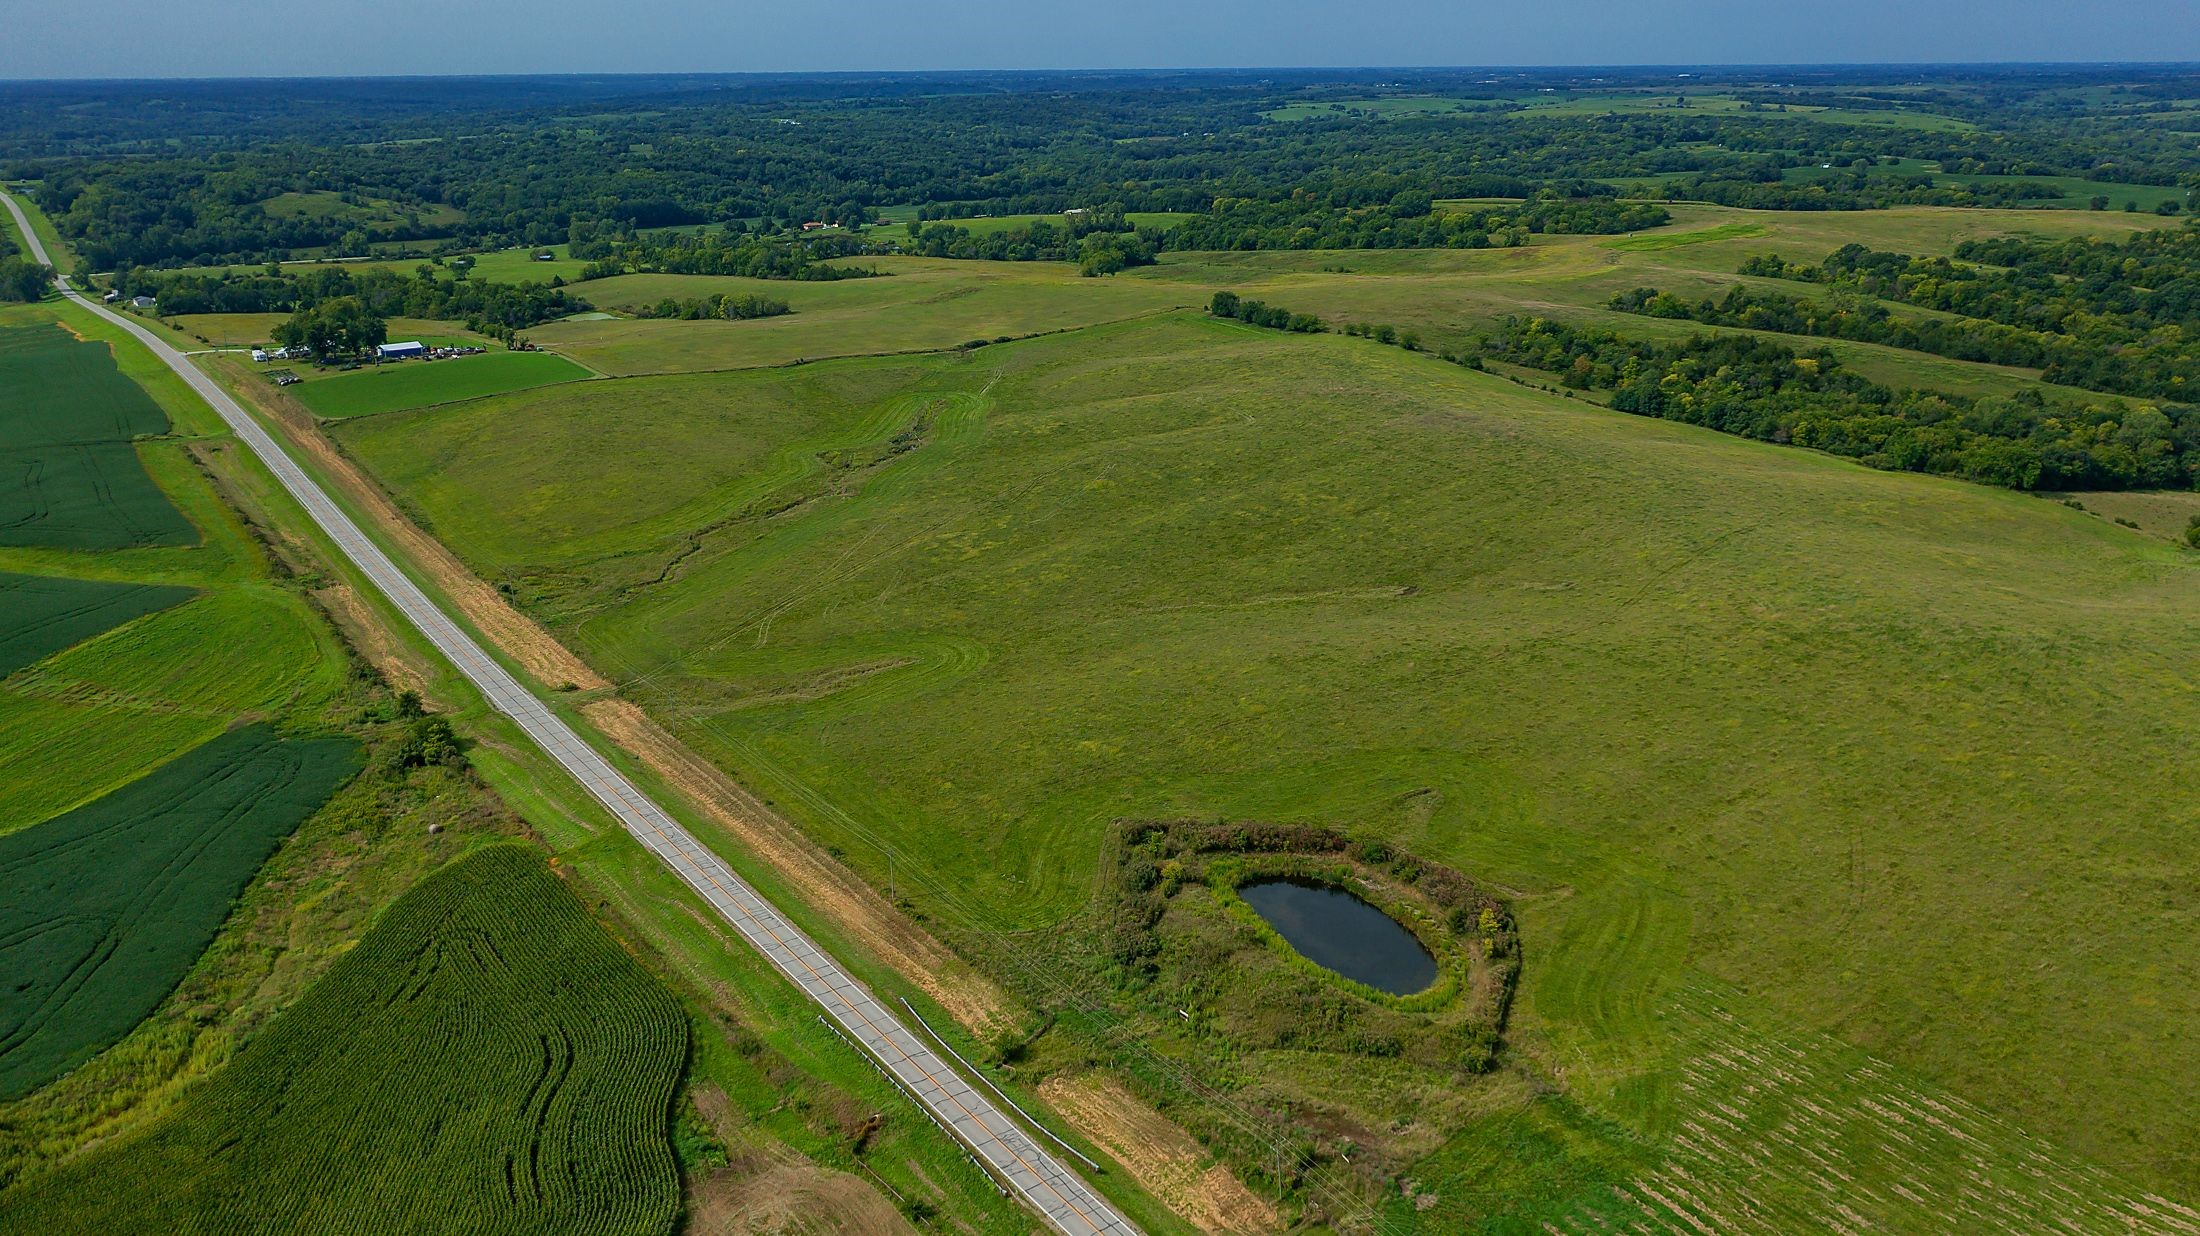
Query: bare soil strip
point(1162, 1157)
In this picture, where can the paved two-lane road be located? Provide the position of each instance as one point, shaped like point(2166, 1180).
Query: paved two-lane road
point(1066, 1201)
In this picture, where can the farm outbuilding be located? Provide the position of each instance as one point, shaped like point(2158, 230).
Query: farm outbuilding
point(401, 351)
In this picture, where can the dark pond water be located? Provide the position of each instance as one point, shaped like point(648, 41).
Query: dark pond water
point(1337, 930)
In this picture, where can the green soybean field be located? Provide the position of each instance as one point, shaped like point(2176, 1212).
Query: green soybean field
point(110, 904)
point(69, 475)
point(46, 614)
point(487, 1059)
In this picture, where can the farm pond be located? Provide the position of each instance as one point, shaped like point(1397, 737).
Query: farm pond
point(1337, 931)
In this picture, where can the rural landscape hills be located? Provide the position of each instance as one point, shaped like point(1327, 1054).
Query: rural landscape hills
point(1193, 651)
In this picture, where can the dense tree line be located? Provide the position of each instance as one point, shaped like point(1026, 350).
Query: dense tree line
point(1758, 388)
point(739, 307)
point(492, 308)
point(1408, 220)
point(2119, 315)
point(20, 279)
point(526, 174)
point(1764, 188)
point(1850, 316)
point(1101, 240)
point(23, 281)
point(1260, 313)
point(720, 252)
point(343, 326)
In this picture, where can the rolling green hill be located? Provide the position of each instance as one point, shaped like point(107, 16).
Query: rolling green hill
point(1806, 742)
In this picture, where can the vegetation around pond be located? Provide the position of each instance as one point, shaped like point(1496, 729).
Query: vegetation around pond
point(1205, 973)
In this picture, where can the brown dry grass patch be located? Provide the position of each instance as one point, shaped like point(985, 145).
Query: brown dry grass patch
point(1162, 1157)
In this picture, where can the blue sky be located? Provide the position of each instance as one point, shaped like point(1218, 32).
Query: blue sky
point(187, 38)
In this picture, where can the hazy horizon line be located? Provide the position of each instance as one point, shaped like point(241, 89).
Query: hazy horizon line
point(1098, 70)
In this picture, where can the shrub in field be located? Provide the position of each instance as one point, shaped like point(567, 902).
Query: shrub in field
point(41, 615)
point(108, 905)
point(486, 1060)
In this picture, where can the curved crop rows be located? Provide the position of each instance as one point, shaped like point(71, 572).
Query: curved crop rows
point(46, 614)
point(108, 906)
point(486, 1060)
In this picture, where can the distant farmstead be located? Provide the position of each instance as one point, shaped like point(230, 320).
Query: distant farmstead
point(142, 302)
point(401, 351)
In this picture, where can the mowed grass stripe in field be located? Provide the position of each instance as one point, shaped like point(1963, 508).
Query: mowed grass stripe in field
point(108, 905)
point(487, 1059)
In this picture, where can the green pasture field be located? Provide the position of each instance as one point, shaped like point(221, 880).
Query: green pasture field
point(43, 614)
point(69, 474)
point(1447, 296)
point(520, 266)
point(323, 204)
point(1769, 745)
point(924, 304)
point(419, 383)
point(487, 1058)
point(111, 903)
point(741, 438)
point(1450, 297)
point(1666, 238)
point(2163, 513)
